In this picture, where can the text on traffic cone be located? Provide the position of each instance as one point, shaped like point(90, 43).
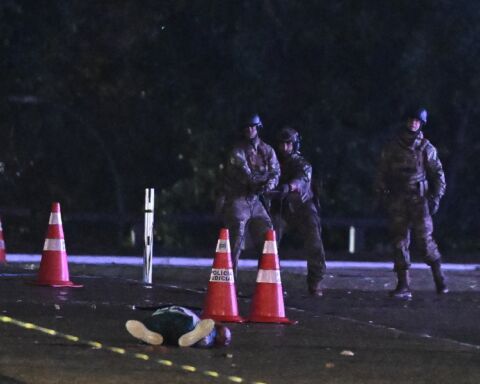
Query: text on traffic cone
point(221, 301)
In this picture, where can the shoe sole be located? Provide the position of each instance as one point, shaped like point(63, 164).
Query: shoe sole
point(203, 328)
point(138, 330)
point(401, 297)
point(315, 292)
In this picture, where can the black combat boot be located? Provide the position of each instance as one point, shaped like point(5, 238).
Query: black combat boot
point(402, 291)
point(438, 277)
point(315, 289)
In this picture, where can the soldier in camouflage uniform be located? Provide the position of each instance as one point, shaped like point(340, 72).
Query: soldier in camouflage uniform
point(410, 184)
point(296, 208)
point(251, 171)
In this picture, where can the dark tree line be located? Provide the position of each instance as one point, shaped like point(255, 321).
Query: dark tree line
point(102, 99)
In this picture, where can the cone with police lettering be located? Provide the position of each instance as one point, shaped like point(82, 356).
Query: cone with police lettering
point(54, 266)
point(3, 258)
point(221, 301)
point(267, 303)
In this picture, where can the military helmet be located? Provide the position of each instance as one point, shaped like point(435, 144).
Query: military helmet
point(419, 114)
point(252, 121)
point(288, 134)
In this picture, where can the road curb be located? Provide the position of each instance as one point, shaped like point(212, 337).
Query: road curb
point(175, 261)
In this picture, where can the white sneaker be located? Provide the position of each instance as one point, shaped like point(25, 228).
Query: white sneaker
point(138, 330)
point(203, 328)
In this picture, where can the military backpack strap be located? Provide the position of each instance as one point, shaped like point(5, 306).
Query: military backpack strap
point(422, 160)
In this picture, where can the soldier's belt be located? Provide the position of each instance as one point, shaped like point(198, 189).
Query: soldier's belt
point(415, 187)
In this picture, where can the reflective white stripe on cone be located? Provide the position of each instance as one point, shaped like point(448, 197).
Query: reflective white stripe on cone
point(53, 269)
point(267, 303)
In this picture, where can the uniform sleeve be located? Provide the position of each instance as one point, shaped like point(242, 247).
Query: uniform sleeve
point(302, 177)
point(435, 174)
point(273, 173)
point(238, 167)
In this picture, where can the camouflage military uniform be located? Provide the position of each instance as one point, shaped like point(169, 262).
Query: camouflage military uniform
point(252, 169)
point(297, 211)
point(411, 182)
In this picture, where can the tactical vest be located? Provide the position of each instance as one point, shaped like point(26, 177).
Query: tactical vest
point(408, 167)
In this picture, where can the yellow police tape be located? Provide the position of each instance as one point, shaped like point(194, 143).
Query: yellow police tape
point(121, 351)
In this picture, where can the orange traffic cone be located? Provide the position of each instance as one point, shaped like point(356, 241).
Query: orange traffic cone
point(3, 256)
point(54, 266)
point(221, 300)
point(267, 303)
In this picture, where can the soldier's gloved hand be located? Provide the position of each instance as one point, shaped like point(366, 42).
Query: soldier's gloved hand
point(284, 189)
point(433, 205)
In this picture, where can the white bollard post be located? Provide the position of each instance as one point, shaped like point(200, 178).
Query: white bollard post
point(351, 239)
point(148, 250)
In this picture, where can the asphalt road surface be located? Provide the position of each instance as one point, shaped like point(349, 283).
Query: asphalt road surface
point(354, 334)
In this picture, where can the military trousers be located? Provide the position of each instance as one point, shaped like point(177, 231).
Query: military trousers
point(244, 214)
point(410, 215)
point(307, 226)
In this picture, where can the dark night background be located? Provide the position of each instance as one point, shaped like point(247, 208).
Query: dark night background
point(99, 100)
